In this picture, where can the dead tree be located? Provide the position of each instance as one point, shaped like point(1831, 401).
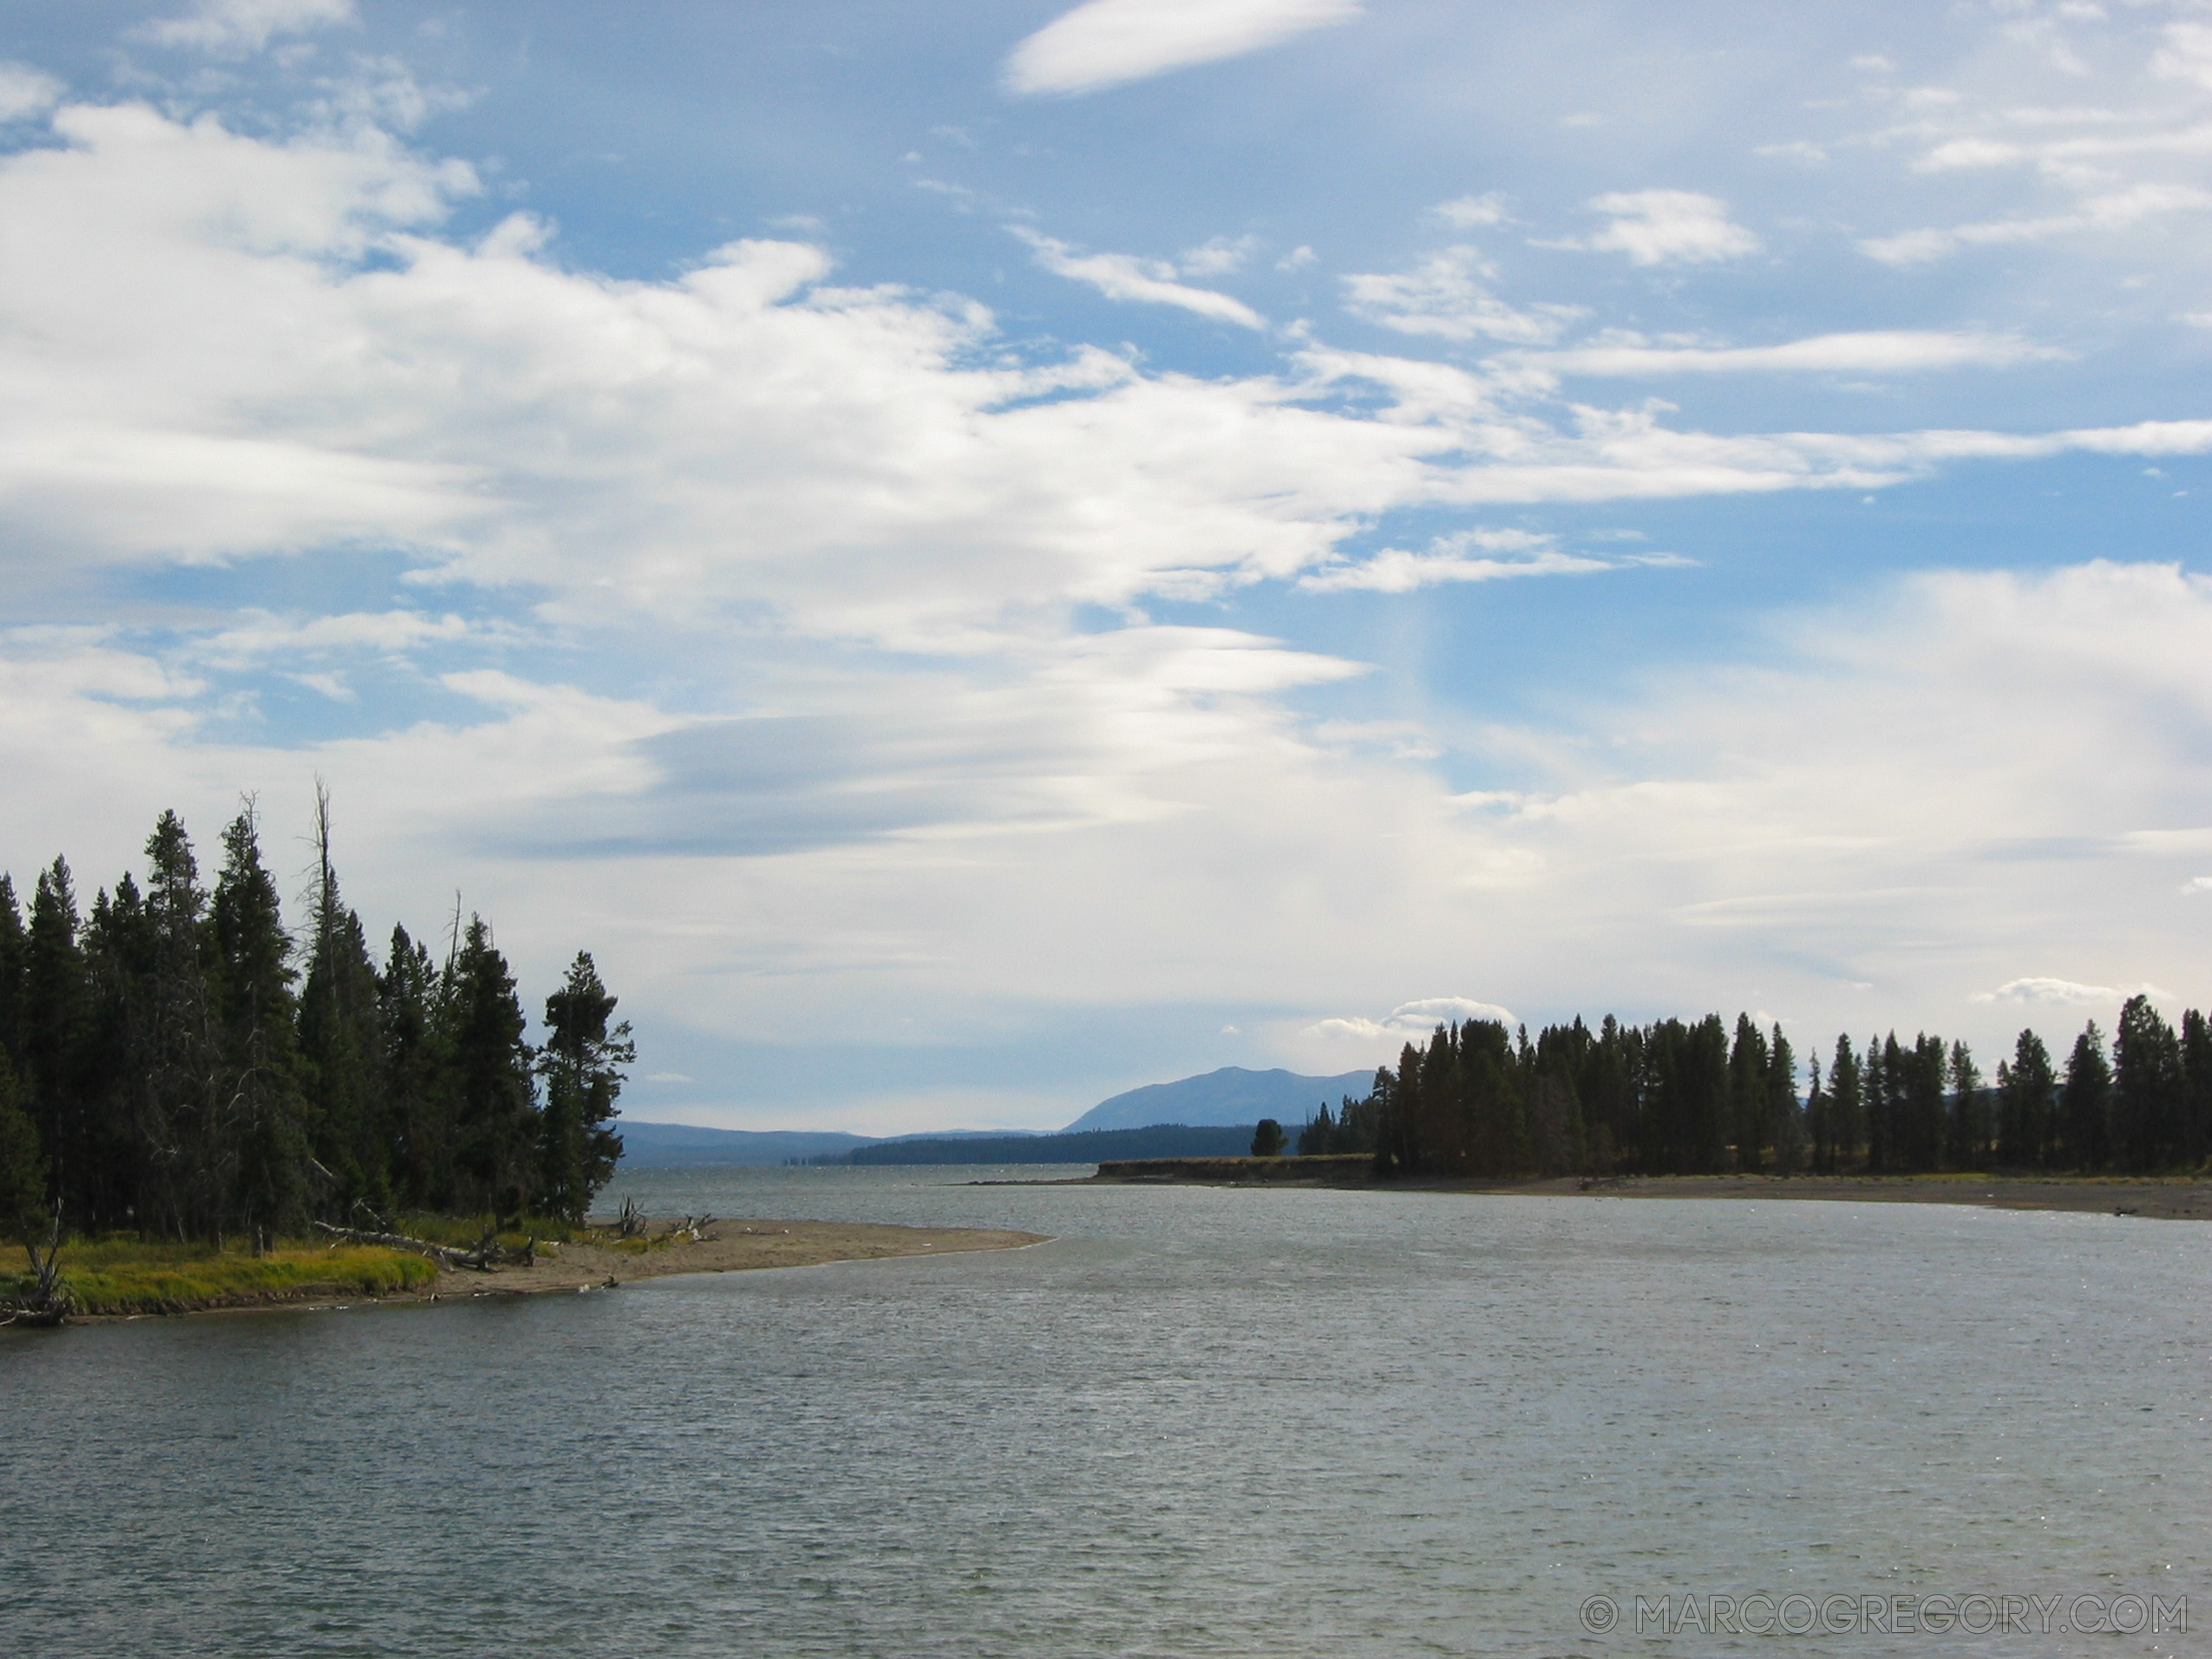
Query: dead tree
point(50, 1302)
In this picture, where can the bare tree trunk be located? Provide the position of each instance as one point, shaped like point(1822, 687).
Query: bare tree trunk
point(487, 1254)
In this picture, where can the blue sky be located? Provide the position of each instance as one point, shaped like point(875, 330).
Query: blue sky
point(982, 556)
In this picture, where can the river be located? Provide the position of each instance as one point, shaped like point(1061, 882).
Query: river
point(1270, 1422)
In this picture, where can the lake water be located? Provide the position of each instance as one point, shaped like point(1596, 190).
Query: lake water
point(1200, 1423)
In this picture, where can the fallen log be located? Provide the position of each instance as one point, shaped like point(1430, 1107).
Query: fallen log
point(486, 1255)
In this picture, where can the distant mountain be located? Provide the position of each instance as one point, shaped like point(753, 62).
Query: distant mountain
point(683, 1145)
point(686, 1146)
point(1231, 1095)
point(1088, 1147)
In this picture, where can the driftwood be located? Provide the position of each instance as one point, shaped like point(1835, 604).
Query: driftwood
point(487, 1254)
point(631, 1224)
point(50, 1302)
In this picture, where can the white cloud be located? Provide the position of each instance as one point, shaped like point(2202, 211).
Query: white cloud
point(1121, 275)
point(240, 26)
point(1413, 1021)
point(25, 91)
point(2105, 213)
point(1876, 352)
point(1218, 255)
point(1297, 260)
point(2186, 55)
point(1655, 227)
point(1445, 296)
point(2065, 993)
point(721, 471)
point(2197, 884)
point(1503, 555)
point(1472, 212)
point(1108, 42)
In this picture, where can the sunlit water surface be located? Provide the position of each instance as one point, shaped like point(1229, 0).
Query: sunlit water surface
point(1199, 1422)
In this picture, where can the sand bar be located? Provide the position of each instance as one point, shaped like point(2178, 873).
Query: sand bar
point(726, 1247)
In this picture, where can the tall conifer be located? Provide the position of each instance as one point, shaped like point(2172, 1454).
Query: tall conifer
point(2084, 1103)
point(581, 1064)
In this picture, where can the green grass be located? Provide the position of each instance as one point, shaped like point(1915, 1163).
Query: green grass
point(464, 1231)
point(125, 1275)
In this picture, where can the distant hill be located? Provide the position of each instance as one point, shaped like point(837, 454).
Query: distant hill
point(1156, 1140)
point(686, 1146)
point(683, 1145)
point(1230, 1100)
point(1231, 1095)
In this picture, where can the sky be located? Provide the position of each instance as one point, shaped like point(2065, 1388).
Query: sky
point(979, 556)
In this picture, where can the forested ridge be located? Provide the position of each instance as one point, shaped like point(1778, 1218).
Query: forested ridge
point(176, 1063)
point(1677, 1098)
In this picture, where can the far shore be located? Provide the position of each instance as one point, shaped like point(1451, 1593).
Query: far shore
point(2176, 1198)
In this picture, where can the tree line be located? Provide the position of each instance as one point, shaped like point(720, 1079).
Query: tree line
point(174, 1061)
point(1681, 1097)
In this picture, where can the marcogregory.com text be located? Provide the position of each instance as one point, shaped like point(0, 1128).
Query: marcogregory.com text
point(1979, 1613)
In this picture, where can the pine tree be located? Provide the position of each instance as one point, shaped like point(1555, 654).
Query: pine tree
point(23, 1166)
point(1820, 1122)
point(1847, 1105)
point(1317, 1136)
point(417, 1077)
point(1785, 1120)
point(15, 950)
point(494, 1110)
point(174, 1088)
point(340, 1043)
point(262, 1120)
point(1749, 1099)
point(1928, 1073)
point(2084, 1103)
point(2197, 1085)
point(109, 1186)
point(1882, 1087)
point(2149, 1092)
point(1969, 1138)
point(581, 1064)
point(1397, 1094)
point(2024, 1093)
point(53, 1043)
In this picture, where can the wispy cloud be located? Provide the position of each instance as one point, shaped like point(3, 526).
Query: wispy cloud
point(1109, 43)
point(1122, 276)
point(2065, 993)
point(1412, 1021)
point(1471, 212)
point(2114, 211)
point(1876, 352)
point(1471, 556)
point(1658, 227)
point(228, 27)
point(1217, 257)
point(25, 91)
point(1447, 296)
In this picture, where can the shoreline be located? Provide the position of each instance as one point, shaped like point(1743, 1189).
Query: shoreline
point(2165, 1198)
point(734, 1246)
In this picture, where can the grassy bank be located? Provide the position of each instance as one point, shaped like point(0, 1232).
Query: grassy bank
point(128, 1276)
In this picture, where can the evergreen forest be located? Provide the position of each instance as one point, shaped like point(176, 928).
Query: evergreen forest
point(176, 1063)
point(1675, 1098)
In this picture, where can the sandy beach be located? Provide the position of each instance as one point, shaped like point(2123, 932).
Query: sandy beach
point(726, 1247)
